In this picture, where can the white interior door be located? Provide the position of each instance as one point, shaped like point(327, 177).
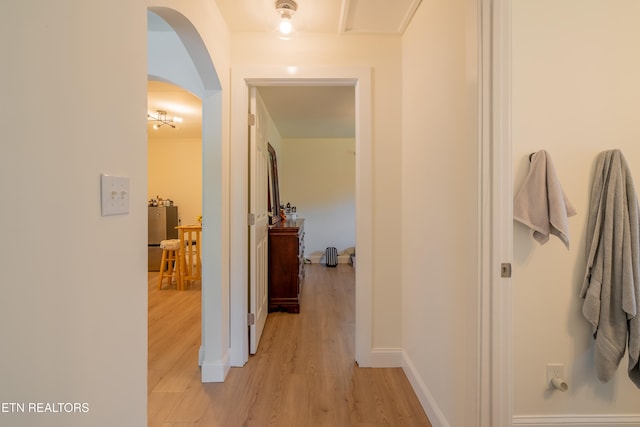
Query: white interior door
point(258, 228)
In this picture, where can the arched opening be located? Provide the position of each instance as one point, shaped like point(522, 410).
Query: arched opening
point(177, 54)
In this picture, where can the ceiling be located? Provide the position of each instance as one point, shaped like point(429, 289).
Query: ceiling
point(298, 111)
point(311, 111)
point(322, 16)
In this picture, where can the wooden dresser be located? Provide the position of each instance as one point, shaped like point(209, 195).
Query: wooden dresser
point(286, 265)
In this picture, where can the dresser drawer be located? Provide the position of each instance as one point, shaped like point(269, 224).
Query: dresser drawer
point(286, 265)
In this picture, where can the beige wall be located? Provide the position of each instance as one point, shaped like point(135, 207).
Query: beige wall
point(318, 177)
point(575, 93)
point(383, 54)
point(273, 135)
point(175, 172)
point(73, 307)
point(439, 211)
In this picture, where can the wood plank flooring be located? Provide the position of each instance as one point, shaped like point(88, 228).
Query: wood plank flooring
point(303, 375)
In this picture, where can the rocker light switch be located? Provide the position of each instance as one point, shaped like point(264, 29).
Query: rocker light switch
point(114, 194)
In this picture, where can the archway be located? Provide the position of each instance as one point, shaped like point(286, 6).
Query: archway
point(177, 54)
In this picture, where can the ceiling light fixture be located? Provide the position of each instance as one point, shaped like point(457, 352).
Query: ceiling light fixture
point(286, 9)
point(161, 119)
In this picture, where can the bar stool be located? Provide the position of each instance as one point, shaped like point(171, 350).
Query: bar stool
point(190, 261)
point(170, 265)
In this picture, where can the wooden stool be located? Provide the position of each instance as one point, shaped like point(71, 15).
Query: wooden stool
point(170, 265)
point(190, 261)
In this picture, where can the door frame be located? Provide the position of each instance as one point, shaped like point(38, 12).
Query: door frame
point(241, 79)
point(495, 367)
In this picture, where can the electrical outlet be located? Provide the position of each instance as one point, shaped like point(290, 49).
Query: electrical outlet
point(554, 370)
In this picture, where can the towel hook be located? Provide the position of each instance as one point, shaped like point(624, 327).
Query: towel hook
point(531, 156)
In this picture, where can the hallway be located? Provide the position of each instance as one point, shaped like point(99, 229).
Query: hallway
point(304, 373)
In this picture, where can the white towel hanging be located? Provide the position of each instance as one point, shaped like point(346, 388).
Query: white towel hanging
point(541, 203)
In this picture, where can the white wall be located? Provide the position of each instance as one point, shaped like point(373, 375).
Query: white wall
point(73, 307)
point(383, 54)
point(318, 177)
point(175, 172)
point(439, 211)
point(575, 93)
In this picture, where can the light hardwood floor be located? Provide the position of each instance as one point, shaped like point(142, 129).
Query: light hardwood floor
point(303, 375)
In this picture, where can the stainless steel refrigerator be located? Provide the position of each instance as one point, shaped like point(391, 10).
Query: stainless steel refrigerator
point(163, 221)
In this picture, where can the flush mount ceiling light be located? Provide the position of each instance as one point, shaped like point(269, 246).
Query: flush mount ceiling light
point(162, 119)
point(286, 9)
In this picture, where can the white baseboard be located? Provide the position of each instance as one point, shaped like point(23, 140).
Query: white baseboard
point(319, 259)
point(393, 357)
point(386, 358)
point(215, 371)
point(425, 397)
point(577, 421)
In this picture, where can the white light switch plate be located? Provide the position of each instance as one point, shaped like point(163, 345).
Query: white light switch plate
point(115, 194)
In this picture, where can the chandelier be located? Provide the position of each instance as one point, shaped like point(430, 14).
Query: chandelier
point(162, 119)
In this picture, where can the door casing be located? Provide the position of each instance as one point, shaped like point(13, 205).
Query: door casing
point(242, 79)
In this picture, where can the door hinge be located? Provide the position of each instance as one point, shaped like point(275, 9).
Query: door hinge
point(251, 219)
point(252, 119)
point(505, 270)
point(251, 319)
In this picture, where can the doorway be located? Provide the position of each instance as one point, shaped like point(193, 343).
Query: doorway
point(242, 79)
point(311, 131)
